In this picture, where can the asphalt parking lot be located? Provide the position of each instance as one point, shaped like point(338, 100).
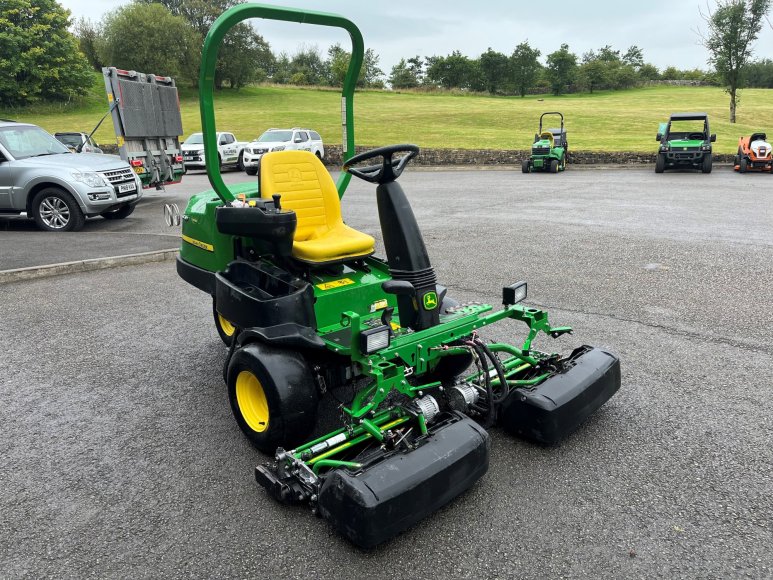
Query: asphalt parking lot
point(119, 456)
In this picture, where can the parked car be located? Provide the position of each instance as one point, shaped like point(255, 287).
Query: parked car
point(281, 140)
point(78, 142)
point(229, 151)
point(41, 177)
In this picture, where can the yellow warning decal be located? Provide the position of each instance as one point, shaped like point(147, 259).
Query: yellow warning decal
point(379, 305)
point(335, 284)
point(198, 244)
point(119, 141)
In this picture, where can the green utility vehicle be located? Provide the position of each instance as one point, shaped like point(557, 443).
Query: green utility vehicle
point(308, 311)
point(548, 152)
point(685, 142)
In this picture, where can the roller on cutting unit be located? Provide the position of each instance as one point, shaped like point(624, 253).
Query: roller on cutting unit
point(308, 311)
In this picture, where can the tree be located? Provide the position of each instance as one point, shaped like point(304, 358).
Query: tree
point(308, 68)
point(561, 69)
point(89, 40)
point(634, 57)
point(235, 63)
point(649, 72)
point(732, 29)
point(524, 67)
point(370, 74)
point(143, 38)
point(452, 71)
point(401, 77)
point(494, 70)
point(39, 58)
point(416, 67)
point(594, 74)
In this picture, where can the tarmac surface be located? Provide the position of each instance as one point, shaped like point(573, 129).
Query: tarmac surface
point(119, 456)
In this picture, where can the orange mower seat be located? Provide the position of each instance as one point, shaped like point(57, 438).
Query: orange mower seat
point(321, 236)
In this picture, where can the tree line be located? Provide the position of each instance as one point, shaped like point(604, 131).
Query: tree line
point(165, 37)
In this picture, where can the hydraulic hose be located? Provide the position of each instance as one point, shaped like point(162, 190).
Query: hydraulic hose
point(498, 367)
point(491, 416)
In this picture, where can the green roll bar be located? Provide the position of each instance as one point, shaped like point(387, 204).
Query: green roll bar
point(231, 18)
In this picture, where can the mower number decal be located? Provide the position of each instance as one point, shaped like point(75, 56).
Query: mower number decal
point(198, 244)
point(379, 305)
point(430, 301)
point(335, 284)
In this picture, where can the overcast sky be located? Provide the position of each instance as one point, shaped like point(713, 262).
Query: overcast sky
point(666, 30)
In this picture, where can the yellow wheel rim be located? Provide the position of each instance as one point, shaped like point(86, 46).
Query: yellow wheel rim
point(227, 328)
point(252, 401)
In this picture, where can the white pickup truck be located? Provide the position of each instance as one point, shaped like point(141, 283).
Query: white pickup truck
point(229, 150)
point(295, 139)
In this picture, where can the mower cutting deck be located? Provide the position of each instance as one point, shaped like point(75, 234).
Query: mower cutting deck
point(313, 313)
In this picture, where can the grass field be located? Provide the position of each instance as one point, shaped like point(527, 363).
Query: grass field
point(606, 121)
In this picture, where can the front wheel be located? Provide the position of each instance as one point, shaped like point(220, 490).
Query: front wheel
point(743, 165)
point(554, 166)
point(706, 165)
point(525, 166)
point(660, 163)
point(251, 171)
point(225, 329)
point(240, 163)
point(55, 210)
point(121, 213)
point(273, 396)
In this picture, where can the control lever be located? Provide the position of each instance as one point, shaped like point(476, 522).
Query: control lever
point(277, 204)
point(399, 287)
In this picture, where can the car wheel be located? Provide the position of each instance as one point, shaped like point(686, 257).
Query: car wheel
point(525, 166)
point(120, 213)
point(240, 163)
point(251, 171)
point(706, 165)
point(273, 396)
point(55, 210)
point(743, 165)
point(660, 163)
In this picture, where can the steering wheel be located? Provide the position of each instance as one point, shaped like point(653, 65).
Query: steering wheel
point(388, 170)
point(695, 136)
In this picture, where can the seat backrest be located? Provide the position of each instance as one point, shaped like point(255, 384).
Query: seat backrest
point(549, 136)
point(306, 188)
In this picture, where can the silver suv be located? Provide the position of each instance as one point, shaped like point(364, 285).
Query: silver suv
point(57, 188)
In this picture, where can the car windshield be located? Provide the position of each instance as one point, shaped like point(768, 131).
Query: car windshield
point(195, 139)
point(23, 141)
point(70, 140)
point(272, 136)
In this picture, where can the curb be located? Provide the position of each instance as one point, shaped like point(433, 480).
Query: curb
point(48, 270)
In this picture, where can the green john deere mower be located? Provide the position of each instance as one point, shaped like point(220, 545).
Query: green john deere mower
point(308, 311)
point(548, 152)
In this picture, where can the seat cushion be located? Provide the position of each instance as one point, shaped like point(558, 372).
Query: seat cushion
point(334, 245)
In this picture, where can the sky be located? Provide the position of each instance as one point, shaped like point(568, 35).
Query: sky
point(666, 30)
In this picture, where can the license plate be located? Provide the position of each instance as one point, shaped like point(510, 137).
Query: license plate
point(124, 187)
point(139, 170)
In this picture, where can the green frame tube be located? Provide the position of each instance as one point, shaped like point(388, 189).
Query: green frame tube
point(231, 18)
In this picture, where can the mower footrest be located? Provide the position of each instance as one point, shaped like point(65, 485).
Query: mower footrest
point(556, 407)
point(373, 505)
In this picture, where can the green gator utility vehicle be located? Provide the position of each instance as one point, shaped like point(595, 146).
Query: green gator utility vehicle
point(548, 152)
point(685, 142)
point(309, 312)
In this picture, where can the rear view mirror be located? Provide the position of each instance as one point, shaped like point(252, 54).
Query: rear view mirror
point(659, 137)
point(536, 137)
point(713, 137)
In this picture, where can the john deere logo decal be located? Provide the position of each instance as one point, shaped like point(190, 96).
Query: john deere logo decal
point(430, 301)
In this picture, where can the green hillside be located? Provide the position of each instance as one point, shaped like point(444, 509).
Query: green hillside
point(608, 121)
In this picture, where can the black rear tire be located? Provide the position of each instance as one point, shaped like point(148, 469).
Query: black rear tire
point(525, 166)
point(225, 329)
point(707, 162)
point(273, 396)
point(660, 163)
point(55, 210)
point(121, 213)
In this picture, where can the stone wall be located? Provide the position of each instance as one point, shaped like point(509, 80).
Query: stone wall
point(493, 157)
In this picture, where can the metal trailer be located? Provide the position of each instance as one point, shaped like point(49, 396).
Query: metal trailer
point(146, 116)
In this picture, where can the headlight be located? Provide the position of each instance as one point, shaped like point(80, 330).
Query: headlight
point(278, 148)
point(374, 339)
point(514, 294)
point(90, 178)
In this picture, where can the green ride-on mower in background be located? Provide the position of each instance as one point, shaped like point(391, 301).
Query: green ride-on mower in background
point(308, 311)
point(549, 150)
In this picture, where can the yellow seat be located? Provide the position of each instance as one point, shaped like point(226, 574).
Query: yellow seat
point(306, 187)
point(549, 136)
